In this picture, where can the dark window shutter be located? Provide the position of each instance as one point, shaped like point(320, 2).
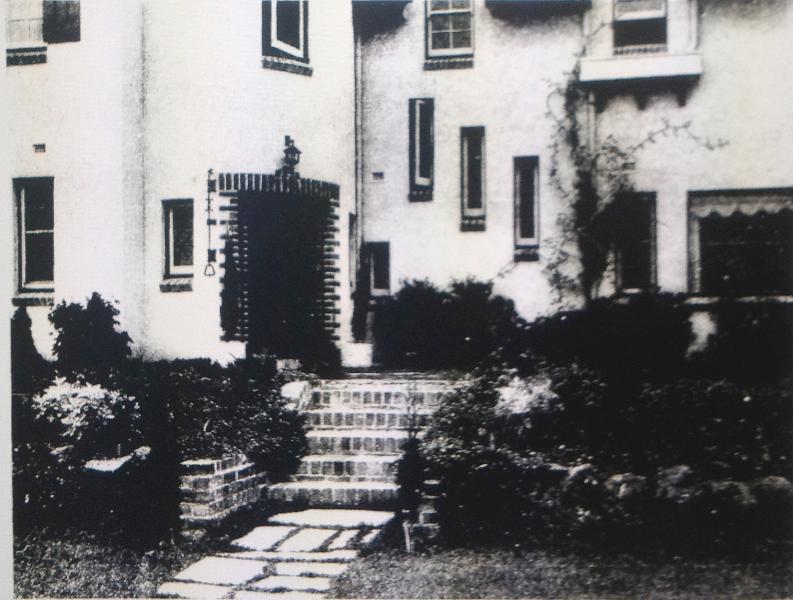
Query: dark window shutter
point(61, 21)
point(266, 43)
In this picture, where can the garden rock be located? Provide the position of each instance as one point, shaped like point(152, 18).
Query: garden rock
point(674, 484)
point(774, 488)
point(626, 485)
point(731, 494)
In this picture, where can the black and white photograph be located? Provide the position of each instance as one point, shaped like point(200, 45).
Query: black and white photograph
point(390, 299)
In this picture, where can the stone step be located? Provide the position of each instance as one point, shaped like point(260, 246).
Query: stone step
point(366, 418)
point(284, 556)
point(249, 595)
point(334, 518)
point(292, 583)
point(310, 569)
point(373, 393)
point(357, 441)
point(349, 467)
point(341, 493)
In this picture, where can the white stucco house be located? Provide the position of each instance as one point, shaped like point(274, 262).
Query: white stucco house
point(153, 150)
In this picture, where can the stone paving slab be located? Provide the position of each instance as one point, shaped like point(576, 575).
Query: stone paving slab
point(326, 569)
point(293, 583)
point(222, 571)
point(332, 555)
point(307, 540)
point(369, 537)
point(343, 539)
point(247, 595)
point(192, 590)
point(263, 538)
point(339, 518)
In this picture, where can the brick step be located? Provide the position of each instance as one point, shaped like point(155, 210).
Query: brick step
point(352, 466)
point(365, 418)
point(356, 441)
point(341, 493)
point(381, 392)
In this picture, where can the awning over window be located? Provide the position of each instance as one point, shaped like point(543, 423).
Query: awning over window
point(750, 204)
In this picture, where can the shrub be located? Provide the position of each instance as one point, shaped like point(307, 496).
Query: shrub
point(199, 409)
point(564, 457)
point(56, 433)
point(30, 373)
point(87, 345)
point(644, 336)
point(462, 328)
point(753, 342)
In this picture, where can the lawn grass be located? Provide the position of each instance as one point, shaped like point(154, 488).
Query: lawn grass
point(487, 573)
point(80, 565)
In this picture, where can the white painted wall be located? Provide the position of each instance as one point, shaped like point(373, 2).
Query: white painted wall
point(506, 91)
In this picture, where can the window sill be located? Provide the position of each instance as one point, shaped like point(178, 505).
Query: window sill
point(277, 63)
point(29, 55)
point(638, 67)
point(708, 301)
point(33, 299)
point(528, 254)
point(472, 224)
point(451, 62)
point(420, 195)
point(177, 284)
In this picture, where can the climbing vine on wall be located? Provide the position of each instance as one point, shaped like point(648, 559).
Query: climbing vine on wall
point(590, 177)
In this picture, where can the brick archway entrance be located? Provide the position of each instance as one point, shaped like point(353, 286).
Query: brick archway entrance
point(280, 274)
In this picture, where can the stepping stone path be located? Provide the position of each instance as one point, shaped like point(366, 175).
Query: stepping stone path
point(294, 558)
point(358, 428)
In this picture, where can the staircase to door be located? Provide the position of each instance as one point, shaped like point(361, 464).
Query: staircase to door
point(357, 429)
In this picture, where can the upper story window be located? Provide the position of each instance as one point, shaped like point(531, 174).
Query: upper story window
point(285, 35)
point(640, 26)
point(421, 148)
point(449, 28)
point(472, 177)
point(36, 232)
point(33, 23)
point(178, 220)
point(527, 194)
point(741, 243)
point(634, 243)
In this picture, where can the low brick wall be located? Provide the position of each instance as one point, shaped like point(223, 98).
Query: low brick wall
point(212, 489)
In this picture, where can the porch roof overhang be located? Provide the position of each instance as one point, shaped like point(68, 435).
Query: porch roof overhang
point(619, 71)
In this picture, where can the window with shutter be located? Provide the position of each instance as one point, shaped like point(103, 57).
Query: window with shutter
point(61, 21)
point(634, 242)
point(472, 177)
point(285, 34)
point(421, 148)
point(526, 197)
point(178, 220)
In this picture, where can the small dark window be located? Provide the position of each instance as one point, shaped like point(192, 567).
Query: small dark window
point(36, 215)
point(640, 26)
point(472, 187)
point(285, 29)
point(61, 21)
point(178, 237)
point(421, 147)
point(526, 201)
point(379, 266)
point(634, 241)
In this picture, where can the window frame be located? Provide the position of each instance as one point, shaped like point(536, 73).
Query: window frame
point(652, 281)
point(271, 45)
point(20, 195)
point(518, 162)
point(170, 269)
point(473, 219)
point(420, 187)
point(450, 52)
point(696, 199)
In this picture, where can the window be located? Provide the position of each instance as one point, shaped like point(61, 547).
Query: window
point(526, 183)
point(742, 243)
point(285, 29)
point(472, 175)
point(37, 21)
point(178, 216)
point(36, 227)
point(449, 28)
point(639, 26)
point(634, 242)
point(421, 148)
point(378, 256)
